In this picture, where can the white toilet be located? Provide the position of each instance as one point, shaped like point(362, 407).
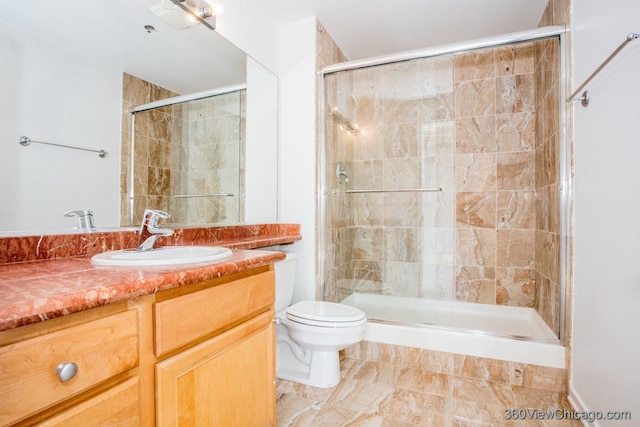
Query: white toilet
point(310, 334)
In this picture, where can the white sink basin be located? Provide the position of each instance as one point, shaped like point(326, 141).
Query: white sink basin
point(164, 255)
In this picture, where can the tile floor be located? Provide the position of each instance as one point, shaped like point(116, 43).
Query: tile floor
point(394, 394)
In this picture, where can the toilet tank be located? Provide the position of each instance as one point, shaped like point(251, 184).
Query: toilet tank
point(285, 278)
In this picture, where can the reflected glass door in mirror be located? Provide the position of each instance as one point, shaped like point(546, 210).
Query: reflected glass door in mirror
point(188, 158)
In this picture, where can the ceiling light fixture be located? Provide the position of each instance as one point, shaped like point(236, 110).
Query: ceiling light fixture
point(192, 13)
point(198, 10)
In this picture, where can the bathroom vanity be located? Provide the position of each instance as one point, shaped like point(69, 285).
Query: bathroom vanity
point(145, 346)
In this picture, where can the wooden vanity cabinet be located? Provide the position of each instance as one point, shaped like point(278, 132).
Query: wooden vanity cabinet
point(228, 377)
point(103, 347)
point(202, 354)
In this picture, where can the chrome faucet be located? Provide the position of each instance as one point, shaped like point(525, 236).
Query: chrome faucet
point(85, 218)
point(150, 231)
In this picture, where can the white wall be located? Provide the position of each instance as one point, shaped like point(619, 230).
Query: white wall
point(245, 24)
point(606, 347)
point(50, 95)
point(297, 145)
point(261, 154)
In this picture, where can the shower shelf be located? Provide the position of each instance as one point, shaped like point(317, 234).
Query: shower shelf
point(397, 190)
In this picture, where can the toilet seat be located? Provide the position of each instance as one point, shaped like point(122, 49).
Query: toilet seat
point(326, 314)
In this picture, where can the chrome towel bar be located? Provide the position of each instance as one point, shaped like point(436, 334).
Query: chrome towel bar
point(25, 140)
point(184, 196)
point(397, 190)
point(586, 97)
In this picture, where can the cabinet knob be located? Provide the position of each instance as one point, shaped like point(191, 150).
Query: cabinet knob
point(66, 371)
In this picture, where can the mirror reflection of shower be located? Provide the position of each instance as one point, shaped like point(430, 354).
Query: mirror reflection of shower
point(188, 157)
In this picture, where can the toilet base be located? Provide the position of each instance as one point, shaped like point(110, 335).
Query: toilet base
point(322, 372)
point(319, 369)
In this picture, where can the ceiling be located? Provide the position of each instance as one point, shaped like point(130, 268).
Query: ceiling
point(114, 29)
point(368, 28)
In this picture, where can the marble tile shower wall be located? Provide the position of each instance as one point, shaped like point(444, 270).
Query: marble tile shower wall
point(215, 131)
point(191, 148)
point(547, 268)
point(467, 124)
point(152, 143)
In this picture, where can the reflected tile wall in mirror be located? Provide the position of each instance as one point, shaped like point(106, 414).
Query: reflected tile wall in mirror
point(194, 149)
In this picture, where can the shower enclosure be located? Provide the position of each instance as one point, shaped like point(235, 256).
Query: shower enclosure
point(441, 177)
point(188, 158)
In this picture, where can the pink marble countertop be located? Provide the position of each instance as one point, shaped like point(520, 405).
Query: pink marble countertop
point(32, 291)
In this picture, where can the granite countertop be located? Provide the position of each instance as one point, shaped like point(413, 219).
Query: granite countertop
point(32, 291)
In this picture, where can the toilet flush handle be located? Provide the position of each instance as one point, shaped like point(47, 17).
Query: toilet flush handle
point(277, 321)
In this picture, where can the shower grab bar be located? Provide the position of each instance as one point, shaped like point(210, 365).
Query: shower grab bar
point(184, 196)
point(397, 190)
point(586, 97)
point(25, 140)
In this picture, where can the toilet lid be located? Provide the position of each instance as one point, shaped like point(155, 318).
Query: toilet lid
point(322, 313)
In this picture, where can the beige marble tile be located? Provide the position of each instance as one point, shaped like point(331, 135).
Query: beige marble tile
point(428, 360)
point(484, 392)
point(475, 284)
point(422, 381)
point(358, 396)
point(515, 171)
point(368, 243)
point(476, 135)
point(476, 209)
point(402, 244)
point(515, 248)
point(545, 378)
point(476, 246)
point(334, 415)
point(515, 94)
point(482, 368)
point(515, 59)
point(400, 141)
point(475, 65)
point(516, 132)
point(372, 372)
point(476, 414)
point(437, 138)
point(475, 98)
point(413, 407)
point(368, 209)
point(516, 287)
point(402, 210)
point(516, 209)
point(435, 75)
point(399, 75)
point(399, 106)
point(476, 172)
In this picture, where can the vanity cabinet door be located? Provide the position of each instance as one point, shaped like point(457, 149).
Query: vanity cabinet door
point(228, 380)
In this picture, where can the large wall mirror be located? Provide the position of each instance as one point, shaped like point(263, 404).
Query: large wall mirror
point(191, 115)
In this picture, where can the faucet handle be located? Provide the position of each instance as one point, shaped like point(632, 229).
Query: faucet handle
point(85, 217)
point(156, 213)
point(78, 212)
